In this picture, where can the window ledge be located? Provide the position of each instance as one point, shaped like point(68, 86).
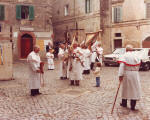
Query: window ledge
point(118, 1)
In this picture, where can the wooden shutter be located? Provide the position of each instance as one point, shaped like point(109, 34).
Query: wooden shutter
point(119, 14)
point(147, 10)
point(115, 14)
point(85, 6)
point(18, 12)
point(2, 12)
point(31, 13)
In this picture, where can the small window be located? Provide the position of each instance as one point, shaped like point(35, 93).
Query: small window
point(117, 14)
point(147, 10)
point(117, 34)
point(24, 12)
point(2, 12)
point(66, 10)
point(87, 6)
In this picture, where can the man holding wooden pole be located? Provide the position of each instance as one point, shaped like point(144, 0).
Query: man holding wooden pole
point(129, 77)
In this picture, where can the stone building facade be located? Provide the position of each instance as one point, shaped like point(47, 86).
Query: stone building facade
point(25, 23)
point(81, 16)
point(130, 23)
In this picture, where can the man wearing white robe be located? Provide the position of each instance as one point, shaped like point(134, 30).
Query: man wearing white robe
point(76, 65)
point(86, 54)
point(63, 62)
point(94, 54)
point(34, 71)
point(129, 76)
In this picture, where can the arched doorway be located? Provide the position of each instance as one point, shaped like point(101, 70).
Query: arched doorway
point(146, 43)
point(26, 45)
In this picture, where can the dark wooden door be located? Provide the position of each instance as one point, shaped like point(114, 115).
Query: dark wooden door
point(118, 43)
point(26, 46)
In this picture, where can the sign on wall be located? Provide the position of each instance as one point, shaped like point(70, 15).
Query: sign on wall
point(41, 44)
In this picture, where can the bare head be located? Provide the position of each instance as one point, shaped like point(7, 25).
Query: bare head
point(36, 48)
point(129, 47)
point(99, 44)
point(62, 46)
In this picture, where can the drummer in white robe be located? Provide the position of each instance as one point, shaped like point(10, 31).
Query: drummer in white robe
point(76, 65)
point(34, 71)
point(63, 62)
point(129, 76)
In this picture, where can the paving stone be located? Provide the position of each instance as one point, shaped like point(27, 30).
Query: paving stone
point(59, 101)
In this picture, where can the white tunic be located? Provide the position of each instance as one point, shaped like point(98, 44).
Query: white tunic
point(77, 68)
point(100, 54)
point(86, 54)
point(63, 64)
point(50, 60)
point(94, 54)
point(129, 69)
point(34, 64)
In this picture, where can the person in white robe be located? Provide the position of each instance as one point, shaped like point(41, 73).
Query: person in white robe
point(76, 65)
point(50, 59)
point(62, 55)
point(34, 71)
point(94, 54)
point(99, 51)
point(129, 76)
point(86, 55)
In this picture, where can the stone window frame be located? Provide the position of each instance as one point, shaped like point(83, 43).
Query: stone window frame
point(116, 19)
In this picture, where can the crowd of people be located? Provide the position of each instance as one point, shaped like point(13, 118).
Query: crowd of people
point(78, 59)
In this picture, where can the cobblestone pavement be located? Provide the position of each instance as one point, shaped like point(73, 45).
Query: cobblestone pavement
point(60, 101)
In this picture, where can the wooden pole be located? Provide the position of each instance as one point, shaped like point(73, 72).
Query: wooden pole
point(115, 98)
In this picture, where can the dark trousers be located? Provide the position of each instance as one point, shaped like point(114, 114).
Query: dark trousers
point(34, 92)
point(132, 103)
point(92, 66)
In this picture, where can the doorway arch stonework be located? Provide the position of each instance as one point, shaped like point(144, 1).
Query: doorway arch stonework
point(21, 36)
point(146, 43)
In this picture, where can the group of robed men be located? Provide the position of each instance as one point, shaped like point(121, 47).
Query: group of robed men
point(76, 61)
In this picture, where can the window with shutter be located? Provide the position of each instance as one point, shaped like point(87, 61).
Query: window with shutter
point(87, 6)
point(147, 10)
point(2, 12)
point(24, 12)
point(66, 10)
point(117, 14)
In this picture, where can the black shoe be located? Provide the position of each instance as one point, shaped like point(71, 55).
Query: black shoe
point(72, 82)
point(123, 105)
point(61, 78)
point(133, 109)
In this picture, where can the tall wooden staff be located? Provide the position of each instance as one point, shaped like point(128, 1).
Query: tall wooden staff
point(115, 98)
